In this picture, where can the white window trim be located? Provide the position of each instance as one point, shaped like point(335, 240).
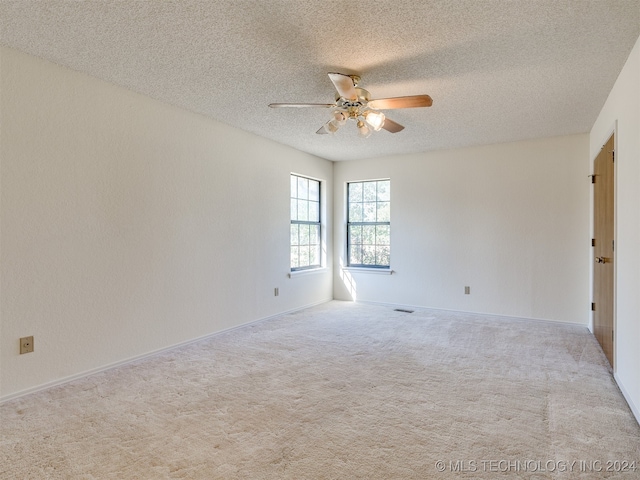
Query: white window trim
point(370, 270)
point(307, 271)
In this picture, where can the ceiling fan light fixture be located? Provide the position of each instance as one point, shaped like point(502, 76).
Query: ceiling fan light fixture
point(375, 119)
point(363, 130)
point(339, 118)
point(331, 127)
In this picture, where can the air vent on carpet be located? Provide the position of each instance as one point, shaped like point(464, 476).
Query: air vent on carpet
point(402, 310)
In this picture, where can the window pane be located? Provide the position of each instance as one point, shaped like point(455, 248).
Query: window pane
point(369, 191)
point(355, 234)
point(355, 192)
point(314, 190)
point(294, 209)
point(304, 256)
point(368, 255)
point(294, 257)
point(294, 234)
point(369, 212)
point(368, 234)
point(303, 188)
point(314, 211)
point(382, 256)
point(384, 190)
point(314, 234)
point(294, 186)
point(304, 234)
point(384, 212)
point(355, 212)
point(382, 235)
point(355, 255)
point(314, 255)
point(303, 210)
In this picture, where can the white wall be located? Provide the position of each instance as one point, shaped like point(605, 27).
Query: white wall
point(511, 221)
point(128, 225)
point(622, 112)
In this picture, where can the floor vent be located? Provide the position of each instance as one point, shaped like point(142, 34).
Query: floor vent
point(402, 310)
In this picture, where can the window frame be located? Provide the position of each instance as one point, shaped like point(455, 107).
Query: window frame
point(318, 223)
point(350, 223)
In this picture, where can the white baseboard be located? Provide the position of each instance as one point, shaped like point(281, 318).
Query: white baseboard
point(627, 397)
point(86, 373)
point(397, 305)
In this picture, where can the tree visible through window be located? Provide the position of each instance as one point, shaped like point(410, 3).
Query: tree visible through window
point(305, 223)
point(369, 223)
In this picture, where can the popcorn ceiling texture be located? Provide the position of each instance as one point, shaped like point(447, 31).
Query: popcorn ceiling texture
point(498, 71)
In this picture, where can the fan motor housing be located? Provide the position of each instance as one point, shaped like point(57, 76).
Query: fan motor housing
point(363, 98)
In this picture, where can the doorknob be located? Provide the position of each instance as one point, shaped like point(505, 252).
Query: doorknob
point(603, 260)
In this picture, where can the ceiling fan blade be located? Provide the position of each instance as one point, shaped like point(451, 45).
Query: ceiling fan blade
point(401, 102)
point(302, 105)
point(391, 126)
point(344, 85)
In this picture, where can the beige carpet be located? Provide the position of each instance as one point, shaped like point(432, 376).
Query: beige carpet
point(339, 391)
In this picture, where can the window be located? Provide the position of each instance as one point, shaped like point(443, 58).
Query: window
point(369, 224)
point(305, 223)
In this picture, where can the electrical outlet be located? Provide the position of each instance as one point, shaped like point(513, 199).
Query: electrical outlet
point(467, 290)
point(26, 345)
point(276, 292)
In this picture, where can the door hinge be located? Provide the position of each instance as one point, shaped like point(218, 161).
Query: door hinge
point(593, 178)
point(613, 156)
point(593, 306)
point(613, 245)
point(593, 242)
point(612, 335)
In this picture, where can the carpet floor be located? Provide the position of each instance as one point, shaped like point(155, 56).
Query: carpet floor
point(339, 391)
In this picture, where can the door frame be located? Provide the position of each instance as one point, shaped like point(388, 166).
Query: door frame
point(603, 141)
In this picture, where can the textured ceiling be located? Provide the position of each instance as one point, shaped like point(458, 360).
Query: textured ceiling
point(497, 71)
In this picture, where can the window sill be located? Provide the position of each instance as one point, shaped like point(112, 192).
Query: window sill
point(374, 271)
point(310, 271)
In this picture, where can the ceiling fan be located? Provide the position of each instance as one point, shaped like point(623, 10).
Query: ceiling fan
point(354, 103)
